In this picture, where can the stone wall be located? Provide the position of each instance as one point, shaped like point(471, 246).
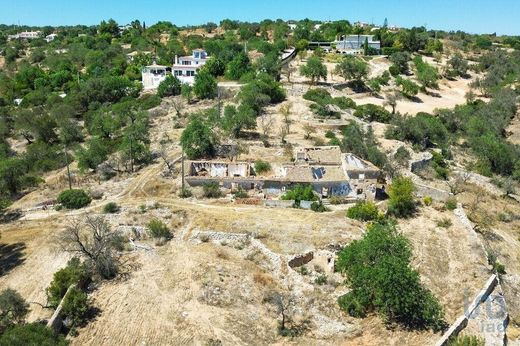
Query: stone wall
point(434, 193)
point(461, 322)
point(56, 321)
point(420, 161)
point(278, 203)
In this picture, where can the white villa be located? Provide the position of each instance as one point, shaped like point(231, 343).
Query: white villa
point(27, 35)
point(353, 44)
point(153, 75)
point(50, 37)
point(185, 67)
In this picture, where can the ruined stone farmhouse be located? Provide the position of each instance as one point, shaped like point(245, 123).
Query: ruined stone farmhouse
point(329, 171)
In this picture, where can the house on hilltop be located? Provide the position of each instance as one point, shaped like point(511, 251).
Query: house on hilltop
point(185, 67)
point(153, 75)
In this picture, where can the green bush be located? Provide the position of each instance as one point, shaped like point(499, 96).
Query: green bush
point(364, 211)
point(31, 334)
point(318, 207)
point(321, 280)
point(344, 102)
point(212, 190)
point(318, 95)
point(74, 199)
point(324, 111)
point(424, 130)
point(427, 201)
point(75, 273)
point(381, 279)
point(158, 229)
point(402, 197)
point(451, 203)
point(300, 193)
point(170, 86)
point(148, 101)
point(371, 112)
point(240, 193)
point(185, 193)
point(466, 340)
point(76, 306)
point(13, 309)
point(262, 166)
point(111, 208)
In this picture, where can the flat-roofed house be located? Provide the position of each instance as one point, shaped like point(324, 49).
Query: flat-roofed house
point(354, 44)
point(153, 75)
point(185, 67)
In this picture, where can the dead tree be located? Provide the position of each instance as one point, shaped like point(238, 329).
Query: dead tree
point(266, 122)
point(285, 109)
point(284, 304)
point(93, 240)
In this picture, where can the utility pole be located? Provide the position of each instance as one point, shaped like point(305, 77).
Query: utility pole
point(219, 102)
point(182, 170)
point(68, 168)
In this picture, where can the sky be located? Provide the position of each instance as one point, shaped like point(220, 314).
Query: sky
point(474, 16)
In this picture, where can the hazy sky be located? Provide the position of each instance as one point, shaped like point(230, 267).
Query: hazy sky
point(476, 16)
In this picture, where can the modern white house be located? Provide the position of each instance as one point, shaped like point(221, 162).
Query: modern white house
point(153, 75)
point(354, 44)
point(25, 35)
point(185, 67)
point(50, 37)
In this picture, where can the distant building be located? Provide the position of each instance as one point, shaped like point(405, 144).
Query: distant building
point(185, 67)
point(25, 35)
point(292, 26)
point(153, 75)
point(51, 37)
point(130, 56)
point(354, 44)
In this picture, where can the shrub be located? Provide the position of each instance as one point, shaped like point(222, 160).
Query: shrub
point(158, 229)
point(402, 156)
point(111, 208)
point(262, 166)
point(318, 95)
point(304, 270)
point(31, 334)
point(321, 280)
point(371, 112)
point(423, 130)
point(344, 102)
point(13, 308)
point(402, 197)
point(185, 193)
point(451, 203)
point(364, 211)
point(74, 199)
point(427, 201)
point(170, 86)
point(444, 222)
point(408, 88)
point(378, 271)
point(318, 207)
point(76, 306)
point(466, 340)
point(212, 190)
point(75, 273)
point(324, 111)
point(300, 193)
point(240, 193)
